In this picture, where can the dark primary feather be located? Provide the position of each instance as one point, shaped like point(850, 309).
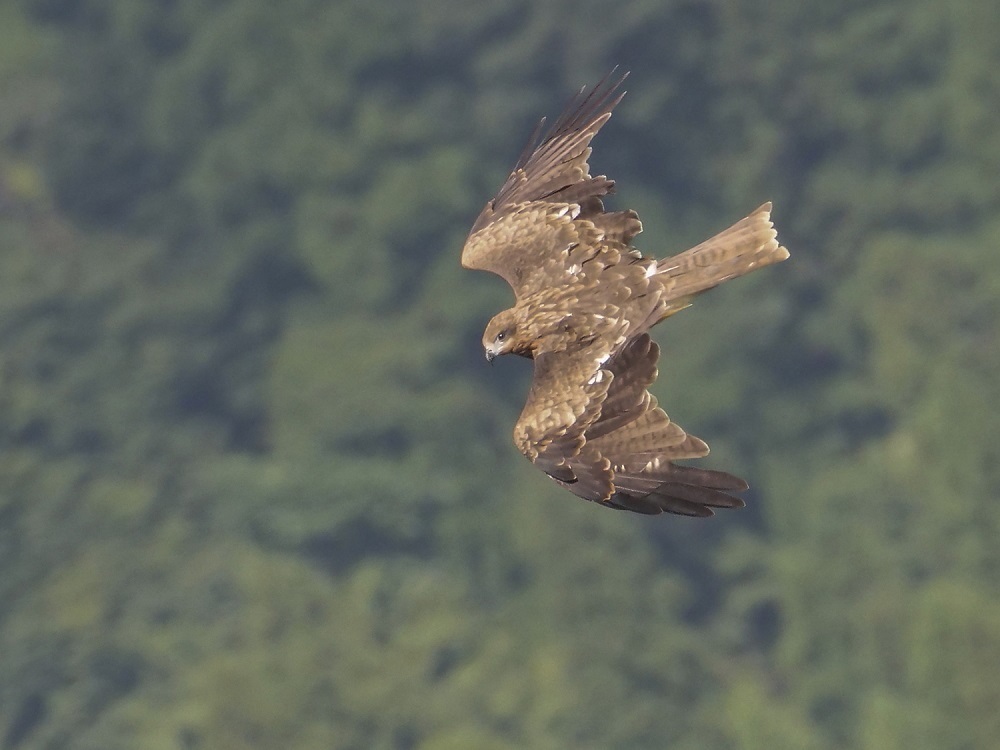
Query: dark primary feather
point(555, 169)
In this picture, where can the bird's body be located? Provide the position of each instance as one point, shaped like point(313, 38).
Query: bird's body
point(585, 302)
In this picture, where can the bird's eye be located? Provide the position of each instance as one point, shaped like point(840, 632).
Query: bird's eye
point(501, 336)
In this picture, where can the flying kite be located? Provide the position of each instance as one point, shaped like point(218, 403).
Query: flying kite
point(585, 301)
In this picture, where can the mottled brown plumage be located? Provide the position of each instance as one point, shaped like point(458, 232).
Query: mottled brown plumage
point(585, 300)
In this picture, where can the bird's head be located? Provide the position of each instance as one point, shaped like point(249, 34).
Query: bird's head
point(500, 336)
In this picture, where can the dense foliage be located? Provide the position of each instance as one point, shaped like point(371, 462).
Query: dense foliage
point(256, 485)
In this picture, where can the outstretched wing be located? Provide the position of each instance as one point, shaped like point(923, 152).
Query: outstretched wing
point(592, 426)
point(526, 233)
point(640, 442)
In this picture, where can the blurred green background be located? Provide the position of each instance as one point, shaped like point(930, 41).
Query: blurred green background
point(257, 488)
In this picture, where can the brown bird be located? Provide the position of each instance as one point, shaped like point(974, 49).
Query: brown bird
point(585, 301)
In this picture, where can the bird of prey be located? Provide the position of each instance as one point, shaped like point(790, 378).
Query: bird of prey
point(585, 301)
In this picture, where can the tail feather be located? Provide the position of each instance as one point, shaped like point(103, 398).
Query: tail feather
point(750, 243)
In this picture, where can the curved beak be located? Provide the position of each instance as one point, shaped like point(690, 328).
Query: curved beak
point(490, 356)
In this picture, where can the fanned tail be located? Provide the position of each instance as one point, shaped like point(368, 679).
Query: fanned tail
point(747, 245)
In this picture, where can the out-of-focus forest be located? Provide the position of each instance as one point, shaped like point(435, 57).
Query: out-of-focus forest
point(257, 488)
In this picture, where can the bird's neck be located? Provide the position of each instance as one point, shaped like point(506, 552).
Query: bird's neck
point(544, 331)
